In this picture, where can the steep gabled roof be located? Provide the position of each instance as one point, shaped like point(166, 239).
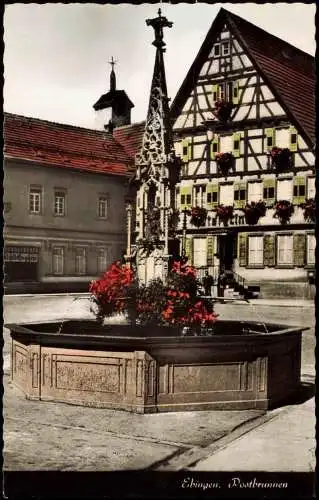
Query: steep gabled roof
point(130, 137)
point(289, 72)
point(65, 146)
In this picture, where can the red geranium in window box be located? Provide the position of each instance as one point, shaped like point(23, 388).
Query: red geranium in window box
point(198, 216)
point(253, 211)
point(225, 161)
point(223, 109)
point(281, 159)
point(225, 213)
point(309, 208)
point(283, 211)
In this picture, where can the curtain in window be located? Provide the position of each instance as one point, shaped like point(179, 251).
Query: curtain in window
point(255, 250)
point(255, 191)
point(285, 249)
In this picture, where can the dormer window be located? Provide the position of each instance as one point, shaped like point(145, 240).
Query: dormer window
point(225, 48)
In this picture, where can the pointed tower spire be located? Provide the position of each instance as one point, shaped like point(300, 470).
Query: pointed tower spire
point(112, 76)
point(157, 167)
point(157, 142)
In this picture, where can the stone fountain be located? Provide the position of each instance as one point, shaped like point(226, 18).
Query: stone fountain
point(155, 369)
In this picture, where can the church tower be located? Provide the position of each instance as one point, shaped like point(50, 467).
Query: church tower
point(113, 109)
point(157, 171)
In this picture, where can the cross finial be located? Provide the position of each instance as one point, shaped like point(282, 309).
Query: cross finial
point(158, 23)
point(112, 63)
point(112, 75)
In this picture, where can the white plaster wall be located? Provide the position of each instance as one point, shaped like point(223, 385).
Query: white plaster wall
point(266, 92)
point(264, 112)
point(256, 145)
point(239, 166)
point(214, 68)
point(270, 274)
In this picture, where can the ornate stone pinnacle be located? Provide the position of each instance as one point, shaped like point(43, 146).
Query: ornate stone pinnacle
point(158, 23)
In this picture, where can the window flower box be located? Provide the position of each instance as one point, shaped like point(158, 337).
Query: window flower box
point(281, 159)
point(283, 211)
point(225, 162)
point(309, 210)
point(223, 109)
point(224, 213)
point(253, 211)
point(198, 216)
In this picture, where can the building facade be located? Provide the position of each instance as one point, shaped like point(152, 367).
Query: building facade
point(244, 126)
point(64, 204)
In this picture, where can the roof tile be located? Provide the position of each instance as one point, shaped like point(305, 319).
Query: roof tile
point(64, 146)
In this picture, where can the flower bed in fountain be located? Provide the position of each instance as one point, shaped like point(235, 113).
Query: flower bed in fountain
point(177, 302)
point(151, 365)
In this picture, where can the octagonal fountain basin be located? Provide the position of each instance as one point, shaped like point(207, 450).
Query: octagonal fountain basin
point(244, 365)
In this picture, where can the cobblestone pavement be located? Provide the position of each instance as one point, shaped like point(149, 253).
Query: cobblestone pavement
point(56, 436)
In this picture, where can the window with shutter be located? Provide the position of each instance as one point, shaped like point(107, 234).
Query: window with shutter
point(210, 250)
point(311, 249)
point(299, 190)
point(269, 191)
point(186, 149)
point(240, 194)
point(214, 147)
point(212, 195)
point(221, 91)
point(215, 93)
point(255, 250)
point(236, 144)
point(269, 250)
point(284, 249)
point(270, 138)
point(293, 136)
point(185, 197)
point(242, 249)
point(235, 97)
point(299, 249)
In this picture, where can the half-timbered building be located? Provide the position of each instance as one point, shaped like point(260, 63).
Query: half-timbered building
point(244, 126)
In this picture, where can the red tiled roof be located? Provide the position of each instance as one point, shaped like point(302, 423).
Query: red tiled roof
point(288, 71)
point(130, 137)
point(64, 146)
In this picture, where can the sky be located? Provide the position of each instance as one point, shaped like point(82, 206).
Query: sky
point(56, 55)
